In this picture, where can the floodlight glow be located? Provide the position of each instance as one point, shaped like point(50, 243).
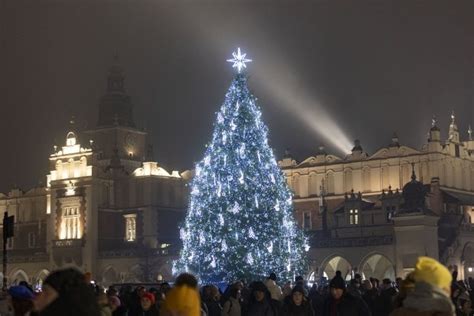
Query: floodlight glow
point(275, 74)
point(296, 100)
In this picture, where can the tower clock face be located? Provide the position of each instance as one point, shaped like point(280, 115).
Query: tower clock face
point(130, 140)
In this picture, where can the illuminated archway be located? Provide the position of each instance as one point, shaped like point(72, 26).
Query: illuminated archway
point(377, 266)
point(110, 276)
point(468, 260)
point(39, 280)
point(337, 263)
point(18, 276)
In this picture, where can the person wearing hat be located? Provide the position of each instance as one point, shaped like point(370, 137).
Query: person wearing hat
point(183, 299)
point(431, 295)
point(298, 305)
point(275, 291)
point(147, 304)
point(385, 301)
point(116, 306)
point(21, 300)
point(65, 292)
point(260, 303)
point(342, 303)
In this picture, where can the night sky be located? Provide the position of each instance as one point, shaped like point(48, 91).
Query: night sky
point(367, 69)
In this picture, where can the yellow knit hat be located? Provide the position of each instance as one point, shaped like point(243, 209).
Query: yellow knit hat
point(182, 300)
point(431, 271)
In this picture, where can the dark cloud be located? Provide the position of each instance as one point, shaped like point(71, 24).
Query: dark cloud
point(374, 67)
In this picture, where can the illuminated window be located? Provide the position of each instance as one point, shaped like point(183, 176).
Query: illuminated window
point(354, 217)
point(70, 224)
point(130, 227)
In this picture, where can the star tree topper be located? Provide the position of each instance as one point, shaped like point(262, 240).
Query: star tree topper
point(239, 60)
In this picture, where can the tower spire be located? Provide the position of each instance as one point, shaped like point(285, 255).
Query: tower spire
point(115, 107)
point(434, 122)
point(115, 79)
point(453, 129)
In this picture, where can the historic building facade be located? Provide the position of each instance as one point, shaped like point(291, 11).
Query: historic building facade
point(375, 214)
point(107, 208)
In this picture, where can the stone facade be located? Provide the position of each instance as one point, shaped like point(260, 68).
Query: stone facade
point(107, 208)
point(369, 214)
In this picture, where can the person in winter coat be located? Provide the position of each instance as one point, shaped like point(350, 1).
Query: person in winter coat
point(148, 307)
point(316, 299)
point(298, 305)
point(65, 292)
point(465, 308)
point(341, 303)
point(104, 306)
point(183, 299)
point(406, 286)
point(116, 306)
point(260, 301)
point(21, 300)
point(232, 305)
point(384, 304)
point(211, 297)
point(370, 296)
point(431, 295)
point(275, 291)
point(287, 289)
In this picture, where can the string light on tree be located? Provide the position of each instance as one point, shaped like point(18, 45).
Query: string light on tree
point(245, 225)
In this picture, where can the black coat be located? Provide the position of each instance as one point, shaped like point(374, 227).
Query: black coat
point(153, 311)
point(290, 309)
point(370, 298)
point(348, 305)
point(264, 308)
point(384, 303)
point(213, 307)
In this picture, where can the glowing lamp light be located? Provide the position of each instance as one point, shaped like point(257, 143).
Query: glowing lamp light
point(469, 269)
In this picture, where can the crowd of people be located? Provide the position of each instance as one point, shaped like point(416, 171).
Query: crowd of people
point(429, 290)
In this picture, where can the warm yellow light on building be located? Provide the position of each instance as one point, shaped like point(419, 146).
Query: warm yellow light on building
point(152, 169)
point(48, 204)
point(70, 227)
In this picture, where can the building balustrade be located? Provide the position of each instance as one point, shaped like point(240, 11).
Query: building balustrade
point(63, 243)
point(327, 242)
point(144, 252)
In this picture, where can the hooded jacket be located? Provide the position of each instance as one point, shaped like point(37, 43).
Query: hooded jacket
point(274, 289)
point(426, 300)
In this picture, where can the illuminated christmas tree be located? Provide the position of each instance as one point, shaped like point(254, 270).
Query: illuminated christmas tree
point(239, 222)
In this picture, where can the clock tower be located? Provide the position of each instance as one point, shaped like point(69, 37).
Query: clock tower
point(116, 135)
